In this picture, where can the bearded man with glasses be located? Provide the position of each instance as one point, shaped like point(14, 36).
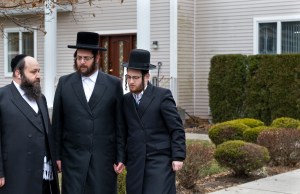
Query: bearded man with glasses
point(88, 123)
point(156, 138)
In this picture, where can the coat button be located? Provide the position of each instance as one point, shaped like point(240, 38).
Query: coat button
point(29, 153)
point(30, 135)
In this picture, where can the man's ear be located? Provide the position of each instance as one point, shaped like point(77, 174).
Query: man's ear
point(18, 73)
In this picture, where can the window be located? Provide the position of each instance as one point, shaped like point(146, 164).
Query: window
point(17, 41)
point(277, 35)
point(267, 38)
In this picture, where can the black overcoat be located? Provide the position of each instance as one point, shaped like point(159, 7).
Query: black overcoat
point(155, 138)
point(23, 143)
point(90, 137)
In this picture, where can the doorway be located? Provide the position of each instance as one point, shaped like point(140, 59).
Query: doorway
point(118, 49)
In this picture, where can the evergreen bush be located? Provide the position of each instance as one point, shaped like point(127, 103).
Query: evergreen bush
point(242, 157)
point(226, 131)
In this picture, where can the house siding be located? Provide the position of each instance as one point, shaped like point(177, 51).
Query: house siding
point(205, 28)
point(186, 47)
point(160, 31)
point(40, 53)
point(226, 27)
point(105, 15)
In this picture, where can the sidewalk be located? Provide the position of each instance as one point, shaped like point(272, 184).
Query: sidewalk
point(197, 136)
point(285, 183)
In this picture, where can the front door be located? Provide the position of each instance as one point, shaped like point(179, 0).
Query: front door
point(118, 49)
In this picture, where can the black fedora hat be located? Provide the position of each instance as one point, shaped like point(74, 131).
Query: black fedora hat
point(139, 59)
point(87, 40)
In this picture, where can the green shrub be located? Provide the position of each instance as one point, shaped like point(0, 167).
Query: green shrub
point(226, 131)
point(197, 157)
point(250, 135)
point(285, 122)
point(242, 157)
point(122, 182)
point(249, 122)
point(283, 145)
point(226, 86)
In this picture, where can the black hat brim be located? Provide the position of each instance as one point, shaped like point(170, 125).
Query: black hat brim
point(88, 47)
point(138, 68)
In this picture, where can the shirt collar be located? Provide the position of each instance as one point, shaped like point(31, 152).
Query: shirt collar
point(21, 91)
point(92, 77)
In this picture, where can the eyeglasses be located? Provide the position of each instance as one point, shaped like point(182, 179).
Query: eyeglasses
point(134, 78)
point(85, 59)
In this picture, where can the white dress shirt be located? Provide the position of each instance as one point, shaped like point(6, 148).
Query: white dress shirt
point(89, 84)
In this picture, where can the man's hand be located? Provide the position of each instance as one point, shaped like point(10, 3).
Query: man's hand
point(2, 182)
point(119, 167)
point(177, 165)
point(58, 163)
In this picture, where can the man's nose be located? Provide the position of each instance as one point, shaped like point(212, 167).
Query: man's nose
point(38, 75)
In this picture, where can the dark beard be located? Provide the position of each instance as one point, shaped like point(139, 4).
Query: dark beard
point(89, 72)
point(31, 89)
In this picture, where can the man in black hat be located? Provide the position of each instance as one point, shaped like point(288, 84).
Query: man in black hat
point(156, 138)
point(27, 152)
point(88, 123)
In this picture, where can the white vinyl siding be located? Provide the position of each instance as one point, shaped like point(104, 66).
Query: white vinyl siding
point(160, 31)
point(38, 53)
point(226, 27)
point(186, 59)
point(104, 15)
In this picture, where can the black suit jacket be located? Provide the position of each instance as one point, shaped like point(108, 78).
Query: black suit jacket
point(155, 138)
point(23, 143)
point(90, 136)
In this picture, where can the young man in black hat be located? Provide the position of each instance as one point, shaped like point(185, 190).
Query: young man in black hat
point(156, 138)
point(88, 122)
point(27, 152)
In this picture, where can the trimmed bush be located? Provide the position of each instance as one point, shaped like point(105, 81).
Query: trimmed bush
point(283, 145)
point(249, 122)
point(226, 86)
point(250, 135)
point(197, 156)
point(285, 122)
point(242, 157)
point(226, 131)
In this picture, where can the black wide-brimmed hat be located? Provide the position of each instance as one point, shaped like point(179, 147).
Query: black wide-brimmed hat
point(139, 59)
point(87, 40)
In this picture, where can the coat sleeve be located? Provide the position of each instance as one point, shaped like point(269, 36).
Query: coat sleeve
point(1, 154)
point(175, 126)
point(57, 119)
point(121, 134)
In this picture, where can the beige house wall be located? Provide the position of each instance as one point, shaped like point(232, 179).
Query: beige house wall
point(160, 31)
point(204, 28)
point(226, 27)
point(186, 55)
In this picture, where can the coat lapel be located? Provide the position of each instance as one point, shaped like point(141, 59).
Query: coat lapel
point(23, 106)
point(98, 91)
point(146, 100)
point(44, 112)
point(78, 88)
point(130, 103)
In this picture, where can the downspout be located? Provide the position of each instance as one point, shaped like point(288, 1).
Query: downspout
point(173, 48)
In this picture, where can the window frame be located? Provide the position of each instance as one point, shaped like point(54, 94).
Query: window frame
point(20, 31)
point(275, 19)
